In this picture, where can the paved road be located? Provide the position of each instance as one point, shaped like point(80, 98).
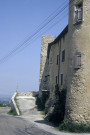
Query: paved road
point(10, 125)
point(24, 125)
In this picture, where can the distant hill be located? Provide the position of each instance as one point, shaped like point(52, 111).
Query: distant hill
point(5, 98)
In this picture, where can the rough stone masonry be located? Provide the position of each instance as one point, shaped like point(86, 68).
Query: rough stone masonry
point(74, 72)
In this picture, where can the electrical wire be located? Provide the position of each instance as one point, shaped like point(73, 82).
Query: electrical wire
point(31, 36)
point(22, 45)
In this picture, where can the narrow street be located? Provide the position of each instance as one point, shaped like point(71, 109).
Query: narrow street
point(11, 125)
point(24, 125)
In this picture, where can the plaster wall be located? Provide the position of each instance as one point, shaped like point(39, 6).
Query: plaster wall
point(60, 68)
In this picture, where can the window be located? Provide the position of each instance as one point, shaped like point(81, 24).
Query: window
point(57, 59)
point(46, 78)
point(56, 79)
point(63, 55)
point(61, 79)
point(77, 61)
point(78, 13)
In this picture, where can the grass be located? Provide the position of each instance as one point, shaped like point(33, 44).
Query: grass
point(42, 113)
point(74, 127)
point(12, 112)
point(2, 105)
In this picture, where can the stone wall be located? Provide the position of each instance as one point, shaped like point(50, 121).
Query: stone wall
point(78, 92)
point(25, 94)
point(55, 70)
point(57, 67)
point(14, 105)
point(75, 68)
point(44, 76)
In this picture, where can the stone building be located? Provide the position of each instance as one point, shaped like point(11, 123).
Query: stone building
point(67, 63)
point(43, 85)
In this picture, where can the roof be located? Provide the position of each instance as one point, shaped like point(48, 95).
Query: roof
point(60, 36)
point(57, 39)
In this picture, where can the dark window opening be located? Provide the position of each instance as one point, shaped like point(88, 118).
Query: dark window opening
point(57, 59)
point(63, 55)
point(61, 79)
point(56, 80)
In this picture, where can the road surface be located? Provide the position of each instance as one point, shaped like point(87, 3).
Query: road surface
point(30, 124)
point(11, 125)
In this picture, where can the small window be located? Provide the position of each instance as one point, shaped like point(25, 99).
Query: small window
point(77, 61)
point(61, 79)
point(57, 59)
point(78, 13)
point(63, 55)
point(56, 79)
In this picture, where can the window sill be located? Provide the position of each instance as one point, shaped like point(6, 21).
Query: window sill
point(78, 22)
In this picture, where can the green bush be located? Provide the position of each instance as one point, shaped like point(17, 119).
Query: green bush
point(74, 127)
point(58, 113)
point(12, 112)
point(40, 102)
point(1, 105)
point(4, 104)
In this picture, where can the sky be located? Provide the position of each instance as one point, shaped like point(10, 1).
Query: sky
point(18, 20)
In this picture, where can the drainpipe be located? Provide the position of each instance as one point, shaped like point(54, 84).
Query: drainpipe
point(59, 43)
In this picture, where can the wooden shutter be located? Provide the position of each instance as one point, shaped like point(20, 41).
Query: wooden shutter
point(76, 16)
point(77, 61)
point(79, 14)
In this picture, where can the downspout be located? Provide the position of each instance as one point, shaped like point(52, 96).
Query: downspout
point(59, 43)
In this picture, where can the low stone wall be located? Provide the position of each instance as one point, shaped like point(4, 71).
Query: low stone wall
point(25, 94)
point(19, 95)
point(28, 94)
point(13, 104)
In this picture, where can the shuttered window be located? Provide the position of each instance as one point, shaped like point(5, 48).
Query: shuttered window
point(77, 61)
point(78, 13)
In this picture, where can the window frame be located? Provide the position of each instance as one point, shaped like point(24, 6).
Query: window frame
point(77, 7)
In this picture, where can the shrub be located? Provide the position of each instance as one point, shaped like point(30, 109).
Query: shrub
point(57, 115)
point(74, 127)
point(40, 102)
point(12, 112)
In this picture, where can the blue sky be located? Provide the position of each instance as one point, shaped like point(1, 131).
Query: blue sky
point(18, 20)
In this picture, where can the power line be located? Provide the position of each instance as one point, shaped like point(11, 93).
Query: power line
point(18, 47)
point(45, 31)
point(36, 32)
